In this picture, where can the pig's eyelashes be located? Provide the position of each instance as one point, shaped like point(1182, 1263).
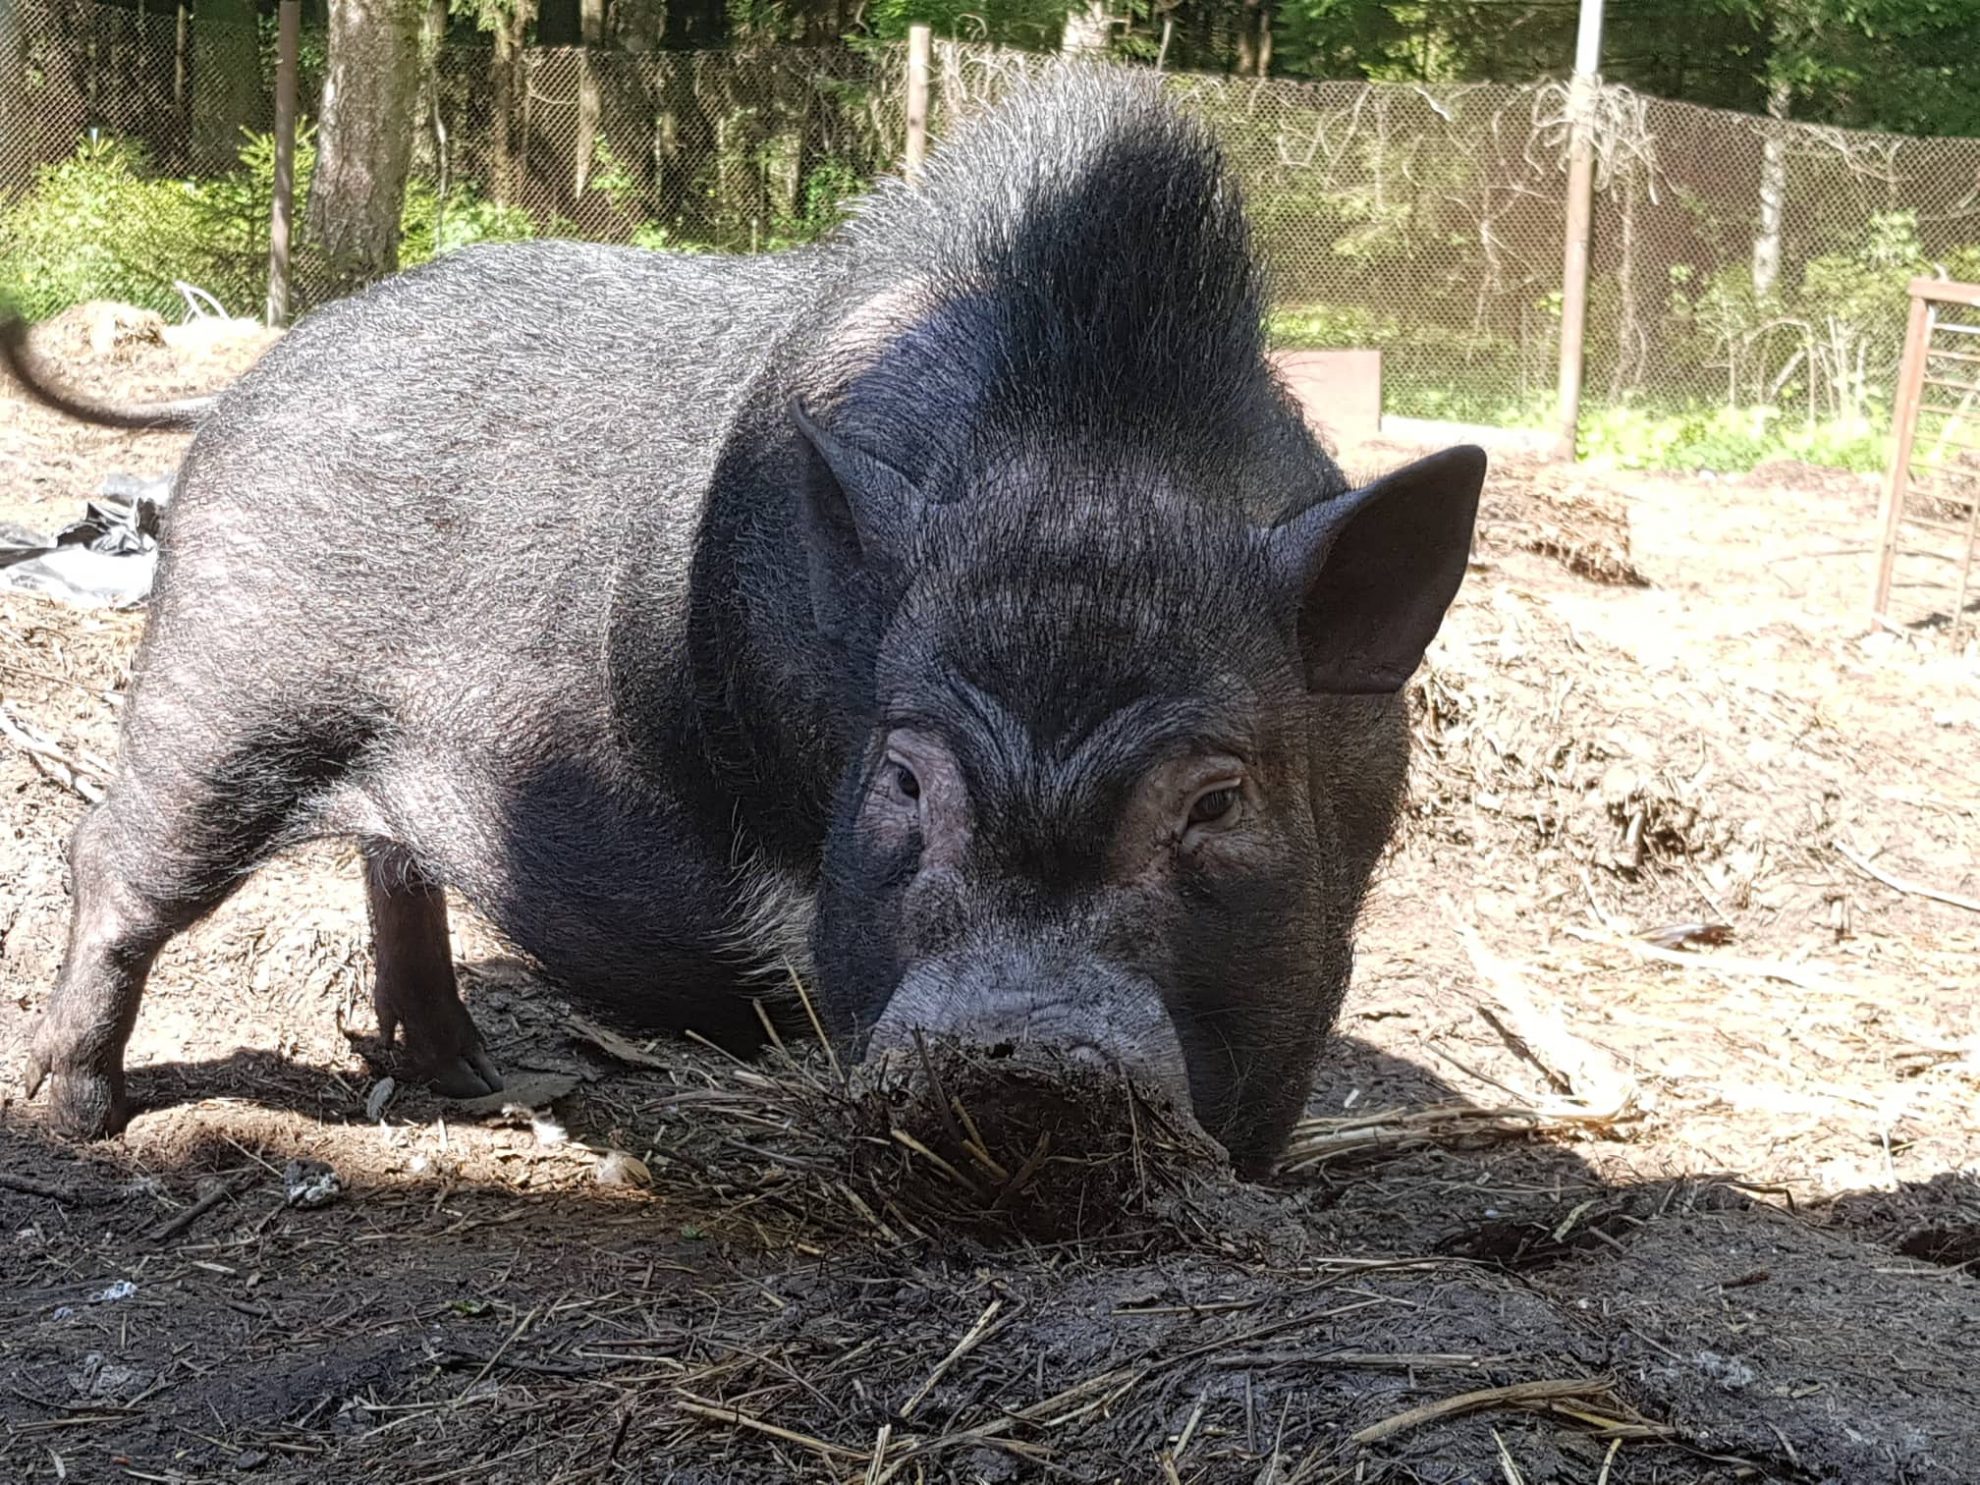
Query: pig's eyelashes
point(1216, 808)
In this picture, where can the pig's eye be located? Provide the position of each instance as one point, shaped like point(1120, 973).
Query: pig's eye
point(1216, 807)
point(902, 780)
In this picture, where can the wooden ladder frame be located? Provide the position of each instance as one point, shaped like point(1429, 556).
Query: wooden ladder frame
point(1928, 295)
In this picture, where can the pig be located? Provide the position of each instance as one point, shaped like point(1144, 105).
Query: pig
point(955, 614)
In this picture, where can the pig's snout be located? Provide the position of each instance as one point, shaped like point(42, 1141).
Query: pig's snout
point(1090, 1012)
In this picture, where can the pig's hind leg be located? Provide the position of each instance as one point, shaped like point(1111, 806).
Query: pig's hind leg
point(188, 816)
point(414, 989)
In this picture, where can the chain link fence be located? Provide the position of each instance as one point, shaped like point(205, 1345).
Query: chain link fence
point(1748, 273)
point(135, 152)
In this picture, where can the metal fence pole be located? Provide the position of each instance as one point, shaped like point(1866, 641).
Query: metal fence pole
point(920, 46)
point(288, 37)
point(1580, 218)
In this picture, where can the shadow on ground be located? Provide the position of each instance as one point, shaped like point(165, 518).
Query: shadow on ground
point(475, 1304)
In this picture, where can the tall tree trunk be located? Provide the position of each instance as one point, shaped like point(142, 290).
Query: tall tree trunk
point(1626, 373)
point(364, 134)
point(181, 114)
point(1254, 38)
point(1088, 28)
point(506, 81)
point(431, 142)
point(631, 101)
point(591, 31)
point(226, 81)
point(1773, 189)
point(1245, 41)
point(687, 133)
point(502, 120)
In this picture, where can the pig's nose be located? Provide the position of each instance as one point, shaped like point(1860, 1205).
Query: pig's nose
point(1033, 1019)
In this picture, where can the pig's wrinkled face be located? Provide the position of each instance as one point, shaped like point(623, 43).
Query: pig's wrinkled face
point(1089, 814)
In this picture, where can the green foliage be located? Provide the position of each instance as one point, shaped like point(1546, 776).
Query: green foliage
point(610, 177)
point(73, 237)
point(1828, 339)
point(828, 188)
point(312, 57)
point(1429, 370)
point(1414, 392)
point(100, 225)
point(1902, 65)
point(1727, 440)
point(1330, 327)
point(429, 226)
point(1034, 25)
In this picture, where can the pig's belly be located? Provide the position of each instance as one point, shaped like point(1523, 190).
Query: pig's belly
point(618, 891)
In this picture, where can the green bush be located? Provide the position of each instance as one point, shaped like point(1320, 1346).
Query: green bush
point(830, 185)
point(100, 225)
point(1330, 327)
point(97, 226)
point(1727, 440)
point(429, 227)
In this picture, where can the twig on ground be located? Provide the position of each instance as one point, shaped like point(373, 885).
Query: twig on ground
point(1765, 969)
point(612, 1044)
point(972, 1338)
point(1315, 1141)
point(1908, 888)
point(67, 1195)
point(50, 761)
point(1518, 1394)
point(222, 1191)
point(1542, 1037)
point(702, 1407)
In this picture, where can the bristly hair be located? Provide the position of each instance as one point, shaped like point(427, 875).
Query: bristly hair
point(1073, 264)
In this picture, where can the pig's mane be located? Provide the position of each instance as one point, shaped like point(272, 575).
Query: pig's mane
point(1074, 263)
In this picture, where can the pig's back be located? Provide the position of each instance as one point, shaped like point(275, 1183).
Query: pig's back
point(408, 516)
point(476, 423)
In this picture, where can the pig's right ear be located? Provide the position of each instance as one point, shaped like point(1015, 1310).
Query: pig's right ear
point(854, 515)
point(1372, 571)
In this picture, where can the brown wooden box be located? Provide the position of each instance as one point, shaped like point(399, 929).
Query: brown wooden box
point(1340, 391)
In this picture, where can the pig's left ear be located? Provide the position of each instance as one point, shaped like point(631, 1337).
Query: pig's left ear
point(854, 514)
point(1372, 571)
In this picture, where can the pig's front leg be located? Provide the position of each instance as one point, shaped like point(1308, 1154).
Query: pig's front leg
point(414, 989)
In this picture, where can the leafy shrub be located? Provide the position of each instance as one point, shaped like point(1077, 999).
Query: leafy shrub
point(96, 226)
point(429, 227)
point(100, 225)
point(827, 188)
point(1727, 440)
point(1330, 327)
point(658, 237)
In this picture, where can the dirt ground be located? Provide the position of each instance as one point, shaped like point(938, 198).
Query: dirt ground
point(1647, 1151)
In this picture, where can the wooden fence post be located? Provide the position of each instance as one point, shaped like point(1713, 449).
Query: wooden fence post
point(1580, 223)
point(920, 46)
point(288, 39)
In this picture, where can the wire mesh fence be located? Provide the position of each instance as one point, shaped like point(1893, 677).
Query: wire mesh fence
point(1748, 272)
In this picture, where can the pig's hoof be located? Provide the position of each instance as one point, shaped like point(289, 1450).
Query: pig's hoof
point(85, 1105)
point(82, 1105)
point(33, 1074)
point(471, 1075)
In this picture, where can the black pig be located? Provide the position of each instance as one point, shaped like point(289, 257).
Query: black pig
point(957, 612)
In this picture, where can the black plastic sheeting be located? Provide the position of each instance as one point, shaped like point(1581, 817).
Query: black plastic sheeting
point(105, 560)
